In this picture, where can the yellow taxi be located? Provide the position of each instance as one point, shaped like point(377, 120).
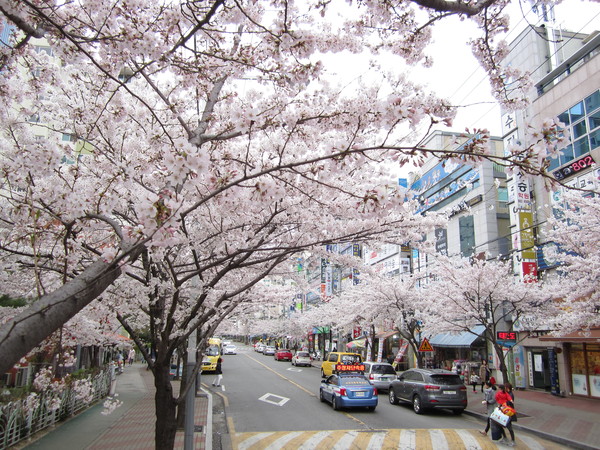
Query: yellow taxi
point(211, 361)
point(341, 358)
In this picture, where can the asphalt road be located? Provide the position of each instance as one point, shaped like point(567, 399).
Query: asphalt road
point(267, 395)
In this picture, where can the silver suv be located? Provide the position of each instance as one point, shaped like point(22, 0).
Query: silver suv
point(429, 388)
point(380, 374)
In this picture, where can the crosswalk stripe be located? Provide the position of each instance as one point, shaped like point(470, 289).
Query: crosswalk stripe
point(468, 439)
point(344, 442)
point(280, 440)
point(438, 438)
point(376, 441)
point(393, 439)
point(253, 439)
point(408, 439)
point(313, 443)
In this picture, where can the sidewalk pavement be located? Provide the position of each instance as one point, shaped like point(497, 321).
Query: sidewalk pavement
point(570, 421)
point(129, 427)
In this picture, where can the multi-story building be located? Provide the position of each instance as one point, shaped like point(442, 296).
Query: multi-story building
point(566, 72)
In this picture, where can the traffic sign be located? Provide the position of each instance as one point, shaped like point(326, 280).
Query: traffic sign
point(425, 346)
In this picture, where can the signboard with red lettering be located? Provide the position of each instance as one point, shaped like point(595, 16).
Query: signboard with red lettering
point(349, 368)
point(506, 336)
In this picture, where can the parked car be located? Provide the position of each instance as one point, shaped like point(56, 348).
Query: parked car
point(429, 388)
point(229, 349)
point(301, 359)
point(259, 347)
point(269, 350)
point(283, 354)
point(173, 372)
point(380, 374)
point(348, 390)
point(336, 358)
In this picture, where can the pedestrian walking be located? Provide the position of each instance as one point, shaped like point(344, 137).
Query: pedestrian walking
point(131, 356)
point(503, 398)
point(484, 373)
point(474, 380)
point(489, 400)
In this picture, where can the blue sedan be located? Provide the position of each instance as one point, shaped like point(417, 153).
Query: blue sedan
point(348, 390)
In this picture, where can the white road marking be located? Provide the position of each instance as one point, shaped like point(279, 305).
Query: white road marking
point(313, 441)
point(376, 441)
point(270, 398)
point(438, 439)
point(279, 443)
point(346, 441)
point(469, 440)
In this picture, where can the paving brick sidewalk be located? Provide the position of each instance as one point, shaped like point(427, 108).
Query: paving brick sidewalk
point(129, 427)
point(571, 421)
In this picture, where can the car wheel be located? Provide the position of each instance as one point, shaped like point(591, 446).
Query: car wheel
point(392, 397)
point(457, 412)
point(370, 408)
point(417, 407)
point(334, 403)
point(321, 395)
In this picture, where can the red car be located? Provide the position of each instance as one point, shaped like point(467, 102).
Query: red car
point(283, 354)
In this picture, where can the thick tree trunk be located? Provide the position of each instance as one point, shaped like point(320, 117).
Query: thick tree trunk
point(23, 333)
point(166, 409)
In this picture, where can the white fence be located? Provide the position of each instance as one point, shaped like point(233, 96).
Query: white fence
point(19, 421)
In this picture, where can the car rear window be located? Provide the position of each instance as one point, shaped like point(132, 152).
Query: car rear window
point(383, 369)
point(354, 381)
point(446, 380)
point(304, 354)
point(350, 359)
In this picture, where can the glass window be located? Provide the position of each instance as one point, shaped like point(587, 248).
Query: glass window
point(466, 226)
point(564, 118)
point(576, 112)
point(594, 120)
point(567, 155)
point(592, 102)
point(554, 163)
point(579, 129)
point(581, 147)
point(503, 193)
point(595, 138)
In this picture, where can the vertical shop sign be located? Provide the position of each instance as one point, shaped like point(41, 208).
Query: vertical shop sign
point(526, 235)
point(519, 359)
point(441, 241)
point(554, 380)
point(530, 367)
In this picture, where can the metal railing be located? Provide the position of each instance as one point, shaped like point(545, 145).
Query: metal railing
point(20, 420)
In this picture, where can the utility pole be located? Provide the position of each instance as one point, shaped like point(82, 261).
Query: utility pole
point(188, 426)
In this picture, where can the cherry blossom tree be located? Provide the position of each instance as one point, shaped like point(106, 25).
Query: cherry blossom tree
point(578, 248)
point(465, 292)
point(165, 157)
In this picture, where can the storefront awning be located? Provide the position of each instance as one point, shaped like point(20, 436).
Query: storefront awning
point(386, 334)
point(464, 339)
point(578, 336)
point(357, 343)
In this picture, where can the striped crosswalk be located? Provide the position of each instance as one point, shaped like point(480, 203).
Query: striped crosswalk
point(437, 439)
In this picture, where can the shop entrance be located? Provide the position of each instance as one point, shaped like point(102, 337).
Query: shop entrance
point(541, 369)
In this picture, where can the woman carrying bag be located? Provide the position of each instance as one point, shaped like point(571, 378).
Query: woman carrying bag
point(504, 401)
point(490, 402)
